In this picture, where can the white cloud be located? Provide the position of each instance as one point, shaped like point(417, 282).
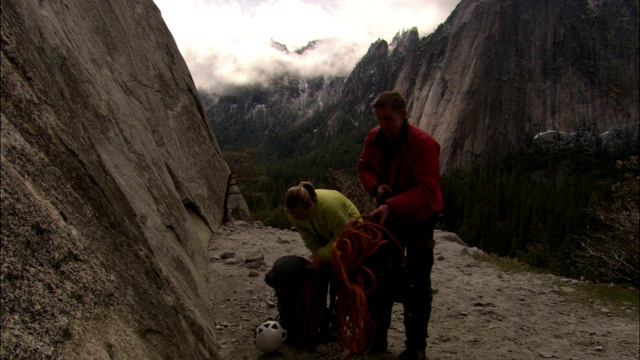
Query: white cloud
point(229, 41)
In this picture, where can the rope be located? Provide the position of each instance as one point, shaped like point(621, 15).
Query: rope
point(359, 240)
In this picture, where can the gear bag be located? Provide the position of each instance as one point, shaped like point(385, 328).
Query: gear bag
point(301, 306)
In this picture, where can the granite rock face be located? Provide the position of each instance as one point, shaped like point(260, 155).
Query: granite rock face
point(499, 76)
point(112, 185)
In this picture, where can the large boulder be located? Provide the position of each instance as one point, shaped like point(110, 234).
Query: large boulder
point(112, 184)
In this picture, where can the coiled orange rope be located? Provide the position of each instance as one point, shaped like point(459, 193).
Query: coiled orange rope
point(359, 240)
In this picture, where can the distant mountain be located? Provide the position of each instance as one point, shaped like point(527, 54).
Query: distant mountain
point(497, 77)
point(283, 48)
point(247, 115)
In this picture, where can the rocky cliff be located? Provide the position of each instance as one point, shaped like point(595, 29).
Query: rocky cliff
point(499, 75)
point(112, 184)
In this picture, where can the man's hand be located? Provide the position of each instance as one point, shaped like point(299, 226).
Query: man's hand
point(382, 189)
point(381, 213)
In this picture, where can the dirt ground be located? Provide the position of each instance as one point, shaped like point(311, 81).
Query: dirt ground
point(479, 311)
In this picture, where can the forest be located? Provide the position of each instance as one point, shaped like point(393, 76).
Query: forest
point(572, 214)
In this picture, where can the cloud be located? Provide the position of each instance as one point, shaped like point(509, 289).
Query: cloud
point(229, 42)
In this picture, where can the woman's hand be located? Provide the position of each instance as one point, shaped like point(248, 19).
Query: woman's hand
point(314, 262)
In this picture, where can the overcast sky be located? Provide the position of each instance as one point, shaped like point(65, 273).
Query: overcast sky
point(229, 41)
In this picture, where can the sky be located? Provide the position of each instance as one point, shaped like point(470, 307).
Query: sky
point(229, 42)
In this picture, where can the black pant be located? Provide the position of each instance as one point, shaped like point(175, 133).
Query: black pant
point(328, 285)
point(411, 285)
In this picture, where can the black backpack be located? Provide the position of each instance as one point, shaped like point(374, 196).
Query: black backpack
point(302, 310)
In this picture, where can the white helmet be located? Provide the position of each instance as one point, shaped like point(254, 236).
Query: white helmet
point(270, 336)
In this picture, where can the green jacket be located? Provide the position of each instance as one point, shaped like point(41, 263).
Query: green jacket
point(327, 219)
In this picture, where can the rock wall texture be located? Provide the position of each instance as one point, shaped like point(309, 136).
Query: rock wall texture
point(112, 184)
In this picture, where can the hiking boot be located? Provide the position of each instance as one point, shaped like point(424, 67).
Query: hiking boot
point(333, 332)
point(412, 354)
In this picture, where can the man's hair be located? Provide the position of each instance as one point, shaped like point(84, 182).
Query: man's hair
point(393, 99)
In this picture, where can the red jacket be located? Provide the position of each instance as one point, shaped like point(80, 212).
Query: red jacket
point(412, 171)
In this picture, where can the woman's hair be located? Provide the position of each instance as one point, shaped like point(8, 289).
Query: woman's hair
point(393, 99)
point(301, 195)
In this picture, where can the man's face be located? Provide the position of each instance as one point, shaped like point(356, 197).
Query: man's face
point(390, 120)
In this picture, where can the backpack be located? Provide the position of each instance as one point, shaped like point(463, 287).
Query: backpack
point(302, 310)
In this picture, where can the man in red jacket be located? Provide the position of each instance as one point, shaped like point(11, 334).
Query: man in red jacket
point(400, 167)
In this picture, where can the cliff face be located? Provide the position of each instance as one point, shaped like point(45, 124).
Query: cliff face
point(112, 184)
point(499, 74)
point(377, 71)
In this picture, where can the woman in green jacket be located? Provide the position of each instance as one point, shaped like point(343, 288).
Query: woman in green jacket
point(320, 216)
